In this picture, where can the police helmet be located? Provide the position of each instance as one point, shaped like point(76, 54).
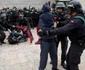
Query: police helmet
point(74, 6)
point(60, 5)
point(24, 8)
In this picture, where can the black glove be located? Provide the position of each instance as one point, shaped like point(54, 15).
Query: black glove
point(4, 29)
point(43, 33)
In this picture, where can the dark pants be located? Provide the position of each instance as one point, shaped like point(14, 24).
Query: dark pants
point(2, 36)
point(73, 56)
point(48, 47)
point(64, 44)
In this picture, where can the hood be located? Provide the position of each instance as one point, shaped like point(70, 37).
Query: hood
point(46, 8)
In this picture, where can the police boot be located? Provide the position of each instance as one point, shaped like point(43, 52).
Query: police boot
point(63, 65)
point(50, 62)
point(38, 42)
point(0, 43)
point(3, 42)
point(55, 69)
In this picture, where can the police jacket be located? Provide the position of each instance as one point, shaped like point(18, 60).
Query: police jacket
point(62, 18)
point(75, 29)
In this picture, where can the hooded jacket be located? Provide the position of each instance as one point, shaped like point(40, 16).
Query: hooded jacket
point(46, 21)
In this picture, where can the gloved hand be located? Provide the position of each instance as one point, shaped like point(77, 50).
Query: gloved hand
point(43, 33)
point(4, 29)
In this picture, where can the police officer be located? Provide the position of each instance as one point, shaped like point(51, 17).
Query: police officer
point(61, 20)
point(76, 32)
point(2, 35)
point(14, 16)
point(48, 44)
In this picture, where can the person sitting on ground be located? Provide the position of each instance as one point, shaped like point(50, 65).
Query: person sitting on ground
point(26, 32)
point(16, 37)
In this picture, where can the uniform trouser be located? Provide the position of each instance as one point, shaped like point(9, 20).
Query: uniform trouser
point(2, 36)
point(64, 45)
point(48, 47)
point(73, 56)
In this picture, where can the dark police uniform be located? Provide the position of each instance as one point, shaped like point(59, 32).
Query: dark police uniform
point(77, 37)
point(62, 19)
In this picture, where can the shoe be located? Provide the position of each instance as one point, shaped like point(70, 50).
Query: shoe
point(50, 62)
point(3, 42)
point(41, 69)
point(0, 43)
point(63, 65)
point(55, 69)
point(38, 42)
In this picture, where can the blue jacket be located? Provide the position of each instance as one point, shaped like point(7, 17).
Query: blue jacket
point(46, 21)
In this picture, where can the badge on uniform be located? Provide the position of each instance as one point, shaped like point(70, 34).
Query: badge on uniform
point(72, 21)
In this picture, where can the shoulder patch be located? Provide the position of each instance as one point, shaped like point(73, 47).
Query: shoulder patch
point(72, 21)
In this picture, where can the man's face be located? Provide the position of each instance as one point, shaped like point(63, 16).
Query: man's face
point(59, 10)
point(70, 11)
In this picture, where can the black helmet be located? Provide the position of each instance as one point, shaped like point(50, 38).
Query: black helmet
point(24, 8)
point(74, 6)
point(60, 5)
